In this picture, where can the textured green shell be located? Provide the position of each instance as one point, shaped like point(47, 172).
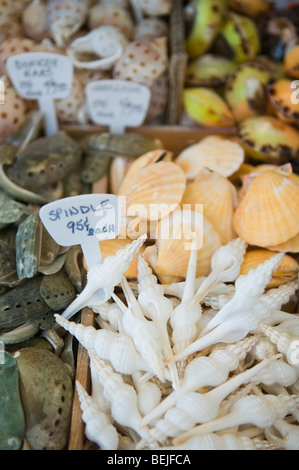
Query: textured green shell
point(94, 167)
point(28, 245)
point(46, 393)
point(22, 303)
point(57, 290)
point(45, 161)
point(129, 145)
point(11, 211)
point(8, 267)
point(12, 420)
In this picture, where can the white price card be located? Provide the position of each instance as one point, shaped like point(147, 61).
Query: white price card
point(117, 103)
point(83, 220)
point(42, 76)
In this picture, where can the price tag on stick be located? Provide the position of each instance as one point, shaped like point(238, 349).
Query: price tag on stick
point(83, 220)
point(42, 76)
point(117, 103)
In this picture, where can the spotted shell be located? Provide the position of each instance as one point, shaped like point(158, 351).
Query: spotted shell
point(68, 109)
point(268, 214)
point(34, 21)
point(64, 18)
point(113, 15)
point(17, 45)
point(280, 93)
point(12, 110)
point(143, 61)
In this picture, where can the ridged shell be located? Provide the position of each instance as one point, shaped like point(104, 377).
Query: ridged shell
point(218, 196)
point(287, 270)
point(281, 98)
point(169, 256)
point(144, 160)
point(214, 152)
point(161, 183)
point(291, 245)
point(268, 214)
point(110, 247)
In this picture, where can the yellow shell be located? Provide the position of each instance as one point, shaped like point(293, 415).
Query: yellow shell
point(144, 160)
point(285, 170)
point(214, 152)
point(268, 213)
point(291, 245)
point(169, 256)
point(154, 191)
point(287, 270)
point(110, 247)
point(218, 198)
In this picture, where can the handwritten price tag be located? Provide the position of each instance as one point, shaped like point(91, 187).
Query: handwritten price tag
point(83, 220)
point(117, 103)
point(42, 76)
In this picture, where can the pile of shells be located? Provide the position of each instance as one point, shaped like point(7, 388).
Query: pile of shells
point(241, 72)
point(125, 40)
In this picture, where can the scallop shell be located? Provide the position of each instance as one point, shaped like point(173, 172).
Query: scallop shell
point(291, 245)
point(218, 197)
point(287, 270)
point(214, 152)
point(110, 247)
point(169, 256)
point(154, 191)
point(268, 214)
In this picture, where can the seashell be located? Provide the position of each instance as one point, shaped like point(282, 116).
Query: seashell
point(209, 70)
point(158, 100)
point(241, 314)
point(154, 192)
point(289, 435)
point(262, 411)
point(148, 393)
point(145, 334)
point(11, 410)
point(284, 342)
point(143, 61)
point(45, 161)
point(192, 408)
point(279, 372)
point(151, 27)
point(212, 441)
point(267, 138)
point(291, 245)
point(225, 265)
point(106, 42)
point(245, 90)
point(154, 7)
point(206, 24)
point(103, 277)
point(267, 215)
point(241, 36)
point(111, 14)
point(7, 13)
point(34, 20)
point(10, 30)
point(13, 109)
point(251, 8)
point(290, 60)
point(111, 313)
point(118, 348)
point(206, 189)
point(57, 290)
point(65, 18)
point(122, 396)
point(46, 394)
point(169, 256)
point(28, 245)
point(287, 270)
point(156, 307)
point(68, 109)
point(118, 169)
point(206, 107)
point(204, 371)
point(97, 427)
point(221, 155)
point(280, 92)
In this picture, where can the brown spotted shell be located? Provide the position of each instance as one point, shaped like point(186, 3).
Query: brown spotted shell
point(17, 45)
point(12, 110)
point(111, 14)
point(143, 61)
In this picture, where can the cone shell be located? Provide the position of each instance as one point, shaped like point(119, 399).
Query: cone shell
point(215, 152)
point(287, 270)
point(110, 248)
point(268, 214)
point(218, 198)
point(169, 256)
point(156, 186)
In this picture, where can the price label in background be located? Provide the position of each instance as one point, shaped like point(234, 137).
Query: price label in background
point(83, 220)
point(42, 76)
point(117, 103)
